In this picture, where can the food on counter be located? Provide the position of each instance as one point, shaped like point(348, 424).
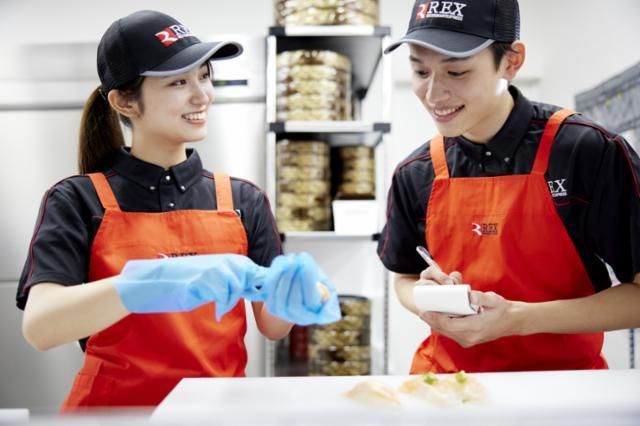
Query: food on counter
point(376, 393)
point(452, 389)
point(439, 390)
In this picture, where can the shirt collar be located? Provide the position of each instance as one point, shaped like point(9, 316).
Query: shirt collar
point(149, 175)
point(506, 141)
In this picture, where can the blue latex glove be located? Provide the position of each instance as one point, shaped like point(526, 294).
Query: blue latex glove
point(291, 292)
point(185, 283)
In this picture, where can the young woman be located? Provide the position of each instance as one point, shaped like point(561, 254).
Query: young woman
point(198, 237)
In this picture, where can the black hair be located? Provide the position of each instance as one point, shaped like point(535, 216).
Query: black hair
point(499, 49)
point(100, 132)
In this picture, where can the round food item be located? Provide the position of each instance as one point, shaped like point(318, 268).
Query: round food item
point(339, 338)
point(467, 388)
point(346, 189)
point(336, 368)
point(458, 388)
point(313, 57)
point(324, 291)
point(369, 7)
point(285, 146)
point(288, 173)
point(307, 87)
point(310, 101)
point(317, 16)
point(374, 393)
point(303, 160)
point(354, 305)
point(340, 353)
point(286, 199)
point(355, 175)
point(350, 322)
point(286, 74)
point(348, 152)
point(309, 115)
point(302, 225)
point(319, 187)
point(358, 164)
point(313, 213)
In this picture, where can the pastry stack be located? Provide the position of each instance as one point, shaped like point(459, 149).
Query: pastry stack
point(357, 172)
point(303, 186)
point(326, 12)
point(313, 85)
point(343, 347)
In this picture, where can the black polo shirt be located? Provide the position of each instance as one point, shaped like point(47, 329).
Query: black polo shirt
point(593, 177)
point(71, 213)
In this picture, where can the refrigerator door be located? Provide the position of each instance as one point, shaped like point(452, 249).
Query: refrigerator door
point(40, 149)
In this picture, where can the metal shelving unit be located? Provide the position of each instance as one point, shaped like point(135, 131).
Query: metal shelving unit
point(363, 45)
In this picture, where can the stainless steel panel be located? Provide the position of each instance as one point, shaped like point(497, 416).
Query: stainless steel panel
point(40, 149)
point(31, 379)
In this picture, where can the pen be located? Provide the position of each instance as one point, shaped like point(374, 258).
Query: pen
point(427, 257)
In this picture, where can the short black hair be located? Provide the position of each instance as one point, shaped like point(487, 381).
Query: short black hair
point(499, 49)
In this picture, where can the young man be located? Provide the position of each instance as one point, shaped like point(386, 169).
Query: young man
point(523, 200)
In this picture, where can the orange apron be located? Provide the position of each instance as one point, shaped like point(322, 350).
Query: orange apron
point(504, 234)
point(138, 360)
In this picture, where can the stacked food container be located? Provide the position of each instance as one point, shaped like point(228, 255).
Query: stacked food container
point(326, 12)
point(356, 178)
point(303, 186)
point(343, 348)
point(313, 85)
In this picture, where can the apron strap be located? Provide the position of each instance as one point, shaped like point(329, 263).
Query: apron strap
point(105, 193)
point(224, 199)
point(439, 158)
point(541, 162)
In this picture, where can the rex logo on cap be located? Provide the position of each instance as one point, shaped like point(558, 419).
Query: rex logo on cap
point(173, 33)
point(441, 9)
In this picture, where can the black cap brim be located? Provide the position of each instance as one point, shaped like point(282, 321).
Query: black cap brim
point(194, 56)
point(448, 43)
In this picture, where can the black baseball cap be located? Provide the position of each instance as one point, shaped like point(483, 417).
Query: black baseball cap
point(150, 43)
point(461, 28)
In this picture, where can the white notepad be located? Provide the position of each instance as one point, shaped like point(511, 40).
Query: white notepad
point(450, 299)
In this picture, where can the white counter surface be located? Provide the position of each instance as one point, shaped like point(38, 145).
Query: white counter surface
point(609, 397)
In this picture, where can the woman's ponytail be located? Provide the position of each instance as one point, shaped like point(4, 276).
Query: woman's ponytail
point(100, 134)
